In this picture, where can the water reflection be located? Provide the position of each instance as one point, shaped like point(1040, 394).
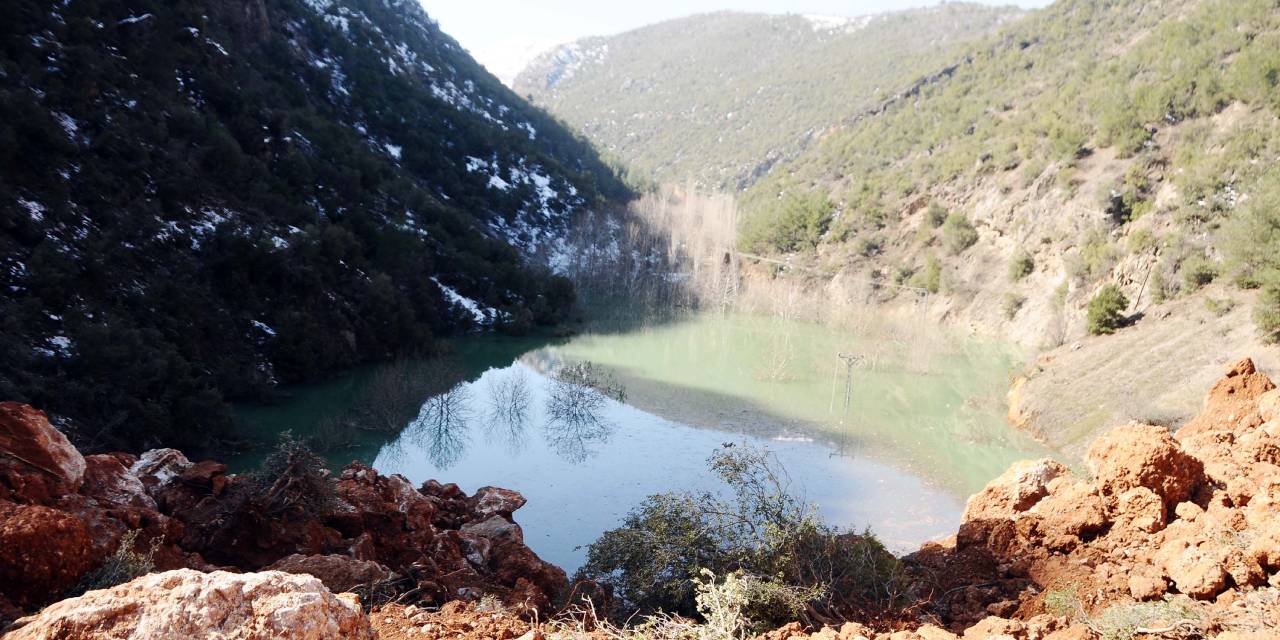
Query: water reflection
point(510, 401)
point(573, 415)
point(441, 426)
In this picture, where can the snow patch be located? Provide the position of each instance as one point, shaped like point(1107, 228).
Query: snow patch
point(136, 19)
point(481, 315)
point(34, 209)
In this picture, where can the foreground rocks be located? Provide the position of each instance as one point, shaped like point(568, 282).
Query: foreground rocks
point(194, 605)
point(1178, 529)
point(62, 515)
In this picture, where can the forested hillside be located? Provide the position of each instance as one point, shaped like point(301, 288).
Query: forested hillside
point(1124, 142)
point(202, 200)
point(720, 98)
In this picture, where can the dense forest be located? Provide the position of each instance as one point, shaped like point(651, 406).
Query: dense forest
point(200, 201)
point(720, 98)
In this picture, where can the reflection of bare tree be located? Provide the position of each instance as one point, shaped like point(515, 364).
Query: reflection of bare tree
point(441, 426)
point(579, 394)
point(396, 393)
point(509, 401)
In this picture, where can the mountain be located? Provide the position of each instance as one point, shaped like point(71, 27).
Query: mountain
point(720, 98)
point(202, 200)
point(1089, 149)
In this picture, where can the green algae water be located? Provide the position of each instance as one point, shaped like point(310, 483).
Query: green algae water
point(890, 433)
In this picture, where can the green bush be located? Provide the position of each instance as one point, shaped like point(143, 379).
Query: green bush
point(1095, 258)
point(775, 556)
point(935, 215)
point(1106, 310)
point(1123, 621)
point(958, 233)
point(928, 277)
point(1198, 272)
point(796, 222)
point(1021, 266)
point(1267, 314)
point(1251, 242)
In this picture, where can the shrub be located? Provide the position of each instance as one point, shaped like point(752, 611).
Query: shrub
point(1141, 241)
point(1159, 289)
point(1251, 241)
point(1012, 304)
point(119, 567)
point(727, 606)
point(776, 558)
point(1267, 314)
point(292, 482)
point(868, 247)
point(1095, 258)
point(1106, 310)
point(1021, 266)
point(1123, 621)
point(1198, 272)
point(1064, 603)
point(929, 277)
point(1219, 307)
point(935, 215)
point(958, 233)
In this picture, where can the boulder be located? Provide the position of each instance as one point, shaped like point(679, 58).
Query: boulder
point(1269, 405)
point(194, 606)
point(43, 553)
point(338, 573)
point(207, 474)
point(37, 462)
point(107, 479)
point(157, 467)
point(1018, 489)
point(1073, 509)
point(1143, 455)
point(491, 501)
point(1233, 402)
point(1196, 569)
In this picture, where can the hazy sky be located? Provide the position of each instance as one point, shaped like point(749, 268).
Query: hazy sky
point(503, 34)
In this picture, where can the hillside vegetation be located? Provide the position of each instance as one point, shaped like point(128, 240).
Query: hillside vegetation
point(720, 98)
point(199, 201)
point(1092, 142)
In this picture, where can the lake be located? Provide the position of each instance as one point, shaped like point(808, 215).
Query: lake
point(890, 433)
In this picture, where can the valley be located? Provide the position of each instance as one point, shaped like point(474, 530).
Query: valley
point(940, 323)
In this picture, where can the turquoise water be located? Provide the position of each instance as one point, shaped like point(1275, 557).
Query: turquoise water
point(916, 438)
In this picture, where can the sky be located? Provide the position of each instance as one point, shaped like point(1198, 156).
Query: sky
point(504, 34)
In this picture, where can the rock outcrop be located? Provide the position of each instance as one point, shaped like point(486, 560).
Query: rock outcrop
point(36, 460)
point(62, 514)
point(194, 605)
point(338, 573)
point(1187, 514)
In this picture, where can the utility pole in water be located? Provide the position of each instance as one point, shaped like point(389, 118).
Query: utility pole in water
point(849, 360)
